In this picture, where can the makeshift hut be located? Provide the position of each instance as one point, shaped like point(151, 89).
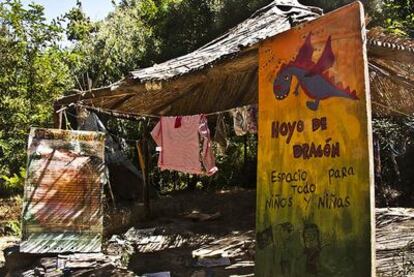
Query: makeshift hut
point(223, 74)
point(218, 76)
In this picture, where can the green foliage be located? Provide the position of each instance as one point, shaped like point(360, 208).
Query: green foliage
point(33, 74)
point(105, 51)
point(36, 69)
point(10, 228)
point(14, 184)
point(238, 165)
point(14, 228)
point(140, 33)
point(195, 19)
point(398, 16)
point(79, 25)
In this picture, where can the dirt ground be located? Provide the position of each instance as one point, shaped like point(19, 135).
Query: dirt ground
point(234, 225)
point(178, 237)
point(10, 212)
point(234, 222)
point(10, 209)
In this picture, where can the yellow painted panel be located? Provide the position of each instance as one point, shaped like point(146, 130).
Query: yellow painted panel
point(314, 160)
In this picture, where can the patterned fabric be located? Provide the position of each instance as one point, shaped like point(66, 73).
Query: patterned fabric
point(178, 139)
point(245, 120)
point(207, 156)
point(220, 135)
point(252, 119)
point(239, 120)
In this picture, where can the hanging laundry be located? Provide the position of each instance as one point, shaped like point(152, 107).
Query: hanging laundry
point(240, 127)
point(245, 120)
point(251, 119)
point(220, 136)
point(207, 156)
point(179, 139)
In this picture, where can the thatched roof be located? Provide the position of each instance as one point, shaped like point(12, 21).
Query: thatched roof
point(391, 62)
point(389, 46)
point(220, 75)
point(223, 73)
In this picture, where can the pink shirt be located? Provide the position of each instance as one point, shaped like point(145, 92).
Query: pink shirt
point(179, 139)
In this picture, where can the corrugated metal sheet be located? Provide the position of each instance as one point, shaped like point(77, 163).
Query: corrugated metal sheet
point(62, 209)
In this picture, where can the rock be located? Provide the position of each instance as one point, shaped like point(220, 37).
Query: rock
point(203, 273)
point(211, 262)
point(199, 273)
point(197, 216)
point(15, 260)
point(135, 235)
point(158, 274)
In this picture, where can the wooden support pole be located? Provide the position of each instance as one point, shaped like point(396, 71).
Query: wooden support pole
point(245, 150)
point(111, 194)
point(57, 116)
point(147, 203)
point(143, 157)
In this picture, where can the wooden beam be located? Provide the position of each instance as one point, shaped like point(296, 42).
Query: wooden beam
point(57, 116)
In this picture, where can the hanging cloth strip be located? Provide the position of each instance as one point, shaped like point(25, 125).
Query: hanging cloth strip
point(178, 140)
point(220, 135)
point(245, 120)
point(252, 119)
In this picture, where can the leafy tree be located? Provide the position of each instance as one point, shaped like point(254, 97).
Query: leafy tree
point(397, 16)
point(33, 74)
point(36, 69)
point(182, 26)
point(79, 25)
point(107, 50)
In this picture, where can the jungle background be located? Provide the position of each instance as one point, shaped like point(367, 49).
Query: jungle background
point(42, 60)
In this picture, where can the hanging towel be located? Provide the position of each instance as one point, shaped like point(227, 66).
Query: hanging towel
point(220, 136)
point(178, 140)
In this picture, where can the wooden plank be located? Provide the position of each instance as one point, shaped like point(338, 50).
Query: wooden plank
point(315, 165)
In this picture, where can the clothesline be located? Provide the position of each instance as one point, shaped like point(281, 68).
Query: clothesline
point(244, 121)
point(241, 126)
point(133, 116)
point(119, 138)
point(140, 116)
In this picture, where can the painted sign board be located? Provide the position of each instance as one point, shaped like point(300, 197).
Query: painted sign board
point(315, 185)
point(62, 210)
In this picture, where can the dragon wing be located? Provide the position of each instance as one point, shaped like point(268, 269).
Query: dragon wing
point(326, 60)
point(304, 57)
